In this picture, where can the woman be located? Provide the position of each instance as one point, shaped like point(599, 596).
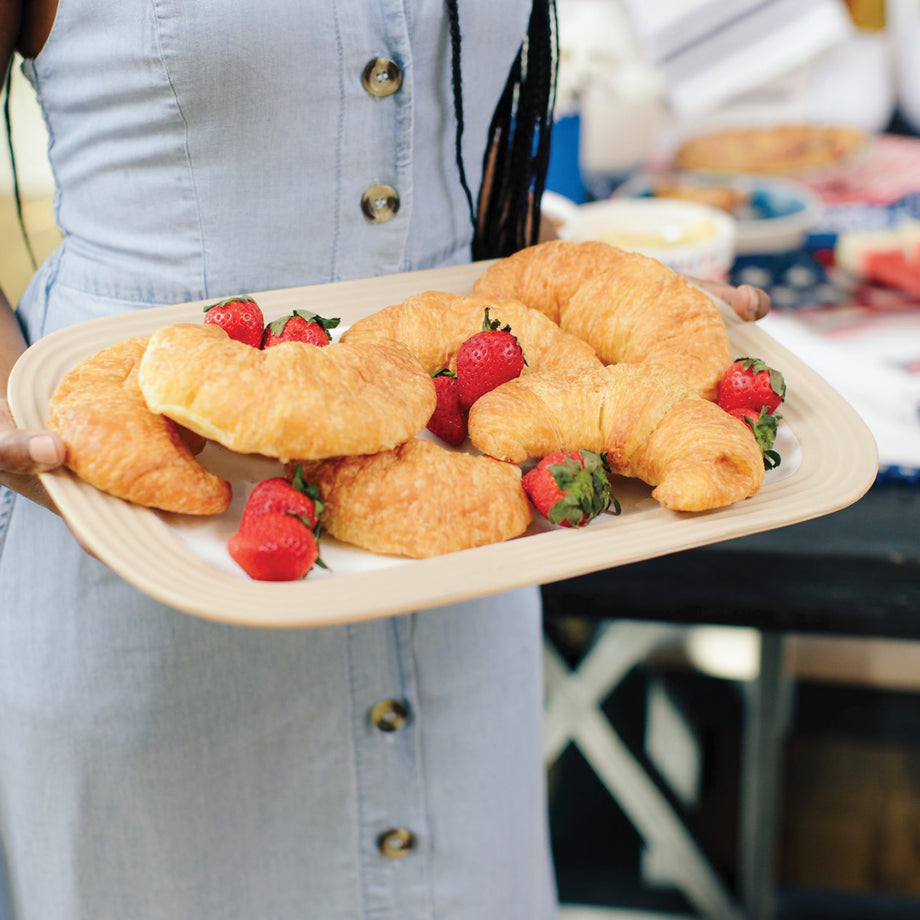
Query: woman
point(156, 766)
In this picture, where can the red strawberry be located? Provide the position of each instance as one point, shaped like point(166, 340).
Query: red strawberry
point(276, 546)
point(487, 359)
point(280, 494)
point(571, 488)
point(448, 421)
point(240, 317)
point(763, 424)
point(749, 383)
point(299, 327)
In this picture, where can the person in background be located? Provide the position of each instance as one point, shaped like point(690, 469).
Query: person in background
point(155, 766)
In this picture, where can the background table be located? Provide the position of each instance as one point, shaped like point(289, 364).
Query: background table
point(853, 573)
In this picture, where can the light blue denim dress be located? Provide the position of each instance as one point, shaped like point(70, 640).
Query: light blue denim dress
point(154, 766)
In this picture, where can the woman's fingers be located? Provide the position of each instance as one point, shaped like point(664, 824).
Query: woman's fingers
point(29, 451)
point(24, 454)
point(749, 302)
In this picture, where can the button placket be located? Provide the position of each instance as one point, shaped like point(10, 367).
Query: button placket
point(393, 823)
point(381, 77)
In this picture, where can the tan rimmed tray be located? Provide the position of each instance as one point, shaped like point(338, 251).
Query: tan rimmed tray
point(829, 461)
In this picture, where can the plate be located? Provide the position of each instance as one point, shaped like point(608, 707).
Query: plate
point(829, 461)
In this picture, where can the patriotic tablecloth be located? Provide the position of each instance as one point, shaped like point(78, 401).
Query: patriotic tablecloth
point(863, 337)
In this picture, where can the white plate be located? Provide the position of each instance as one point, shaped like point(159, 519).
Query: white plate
point(829, 461)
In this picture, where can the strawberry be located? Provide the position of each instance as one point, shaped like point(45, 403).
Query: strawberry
point(276, 546)
point(240, 317)
point(294, 496)
point(449, 419)
point(299, 327)
point(487, 359)
point(763, 424)
point(749, 383)
point(571, 488)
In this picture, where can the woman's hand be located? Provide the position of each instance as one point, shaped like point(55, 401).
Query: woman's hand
point(23, 454)
point(749, 302)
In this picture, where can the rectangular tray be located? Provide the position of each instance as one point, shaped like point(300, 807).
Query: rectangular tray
point(829, 461)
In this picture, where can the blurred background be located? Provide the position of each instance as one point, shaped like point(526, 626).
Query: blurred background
point(775, 713)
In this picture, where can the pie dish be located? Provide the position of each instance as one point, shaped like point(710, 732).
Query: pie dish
point(784, 149)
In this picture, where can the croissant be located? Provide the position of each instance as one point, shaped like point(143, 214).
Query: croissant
point(434, 324)
point(407, 501)
point(115, 443)
point(649, 423)
point(290, 400)
point(546, 275)
point(626, 306)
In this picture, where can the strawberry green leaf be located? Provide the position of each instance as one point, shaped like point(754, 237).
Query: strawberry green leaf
point(325, 322)
point(228, 300)
point(309, 489)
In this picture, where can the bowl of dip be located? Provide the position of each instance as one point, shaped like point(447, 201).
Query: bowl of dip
point(693, 239)
point(771, 215)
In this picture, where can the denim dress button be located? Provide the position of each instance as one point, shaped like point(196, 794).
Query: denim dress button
point(389, 715)
point(380, 203)
point(381, 77)
point(396, 843)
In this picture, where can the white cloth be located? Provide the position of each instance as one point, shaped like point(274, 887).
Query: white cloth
point(886, 397)
point(709, 51)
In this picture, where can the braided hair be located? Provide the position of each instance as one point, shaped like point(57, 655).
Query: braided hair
point(506, 217)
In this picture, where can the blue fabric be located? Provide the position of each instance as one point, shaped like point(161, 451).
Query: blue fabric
point(158, 767)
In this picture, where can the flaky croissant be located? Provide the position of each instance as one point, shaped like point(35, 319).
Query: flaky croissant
point(115, 443)
point(420, 500)
point(546, 276)
point(434, 324)
point(290, 400)
point(626, 306)
point(649, 423)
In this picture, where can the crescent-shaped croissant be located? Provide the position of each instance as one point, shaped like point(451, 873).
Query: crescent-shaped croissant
point(546, 275)
point(290, 400)
point(626, 306)
point(649, 423)
point(115, 443)
point(420, 500)
point(434, 324)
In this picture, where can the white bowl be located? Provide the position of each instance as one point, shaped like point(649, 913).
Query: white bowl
point(776, 217)
point(693, 239)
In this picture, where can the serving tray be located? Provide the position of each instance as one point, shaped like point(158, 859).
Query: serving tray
point(829, 461)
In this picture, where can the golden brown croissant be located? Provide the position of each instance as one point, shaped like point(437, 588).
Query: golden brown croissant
point(644, 313)
point(290, 400)
point(546, 275)
point(649, 423)
point(434, 324)
point(115, 443)
point(626, 306)
point(420, 500)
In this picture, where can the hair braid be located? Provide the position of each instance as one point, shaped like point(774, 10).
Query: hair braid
point(453, 17)
point(518, 144)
